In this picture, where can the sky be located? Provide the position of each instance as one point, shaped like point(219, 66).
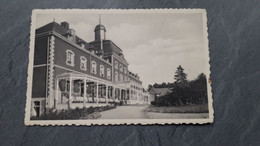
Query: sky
point(154, 44)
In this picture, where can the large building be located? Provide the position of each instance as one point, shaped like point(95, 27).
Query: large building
point(70, 72)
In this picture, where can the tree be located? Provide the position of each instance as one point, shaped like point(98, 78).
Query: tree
point(155, 85)
point(150, 87)
point(163, 85)
point(180, 76)
point(199, 89)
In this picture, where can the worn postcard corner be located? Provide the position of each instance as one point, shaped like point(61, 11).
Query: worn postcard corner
point(112, 67)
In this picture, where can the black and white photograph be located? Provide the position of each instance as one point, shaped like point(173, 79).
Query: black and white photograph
point(103, 67)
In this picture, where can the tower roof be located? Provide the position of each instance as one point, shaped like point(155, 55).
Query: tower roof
point(100, 27)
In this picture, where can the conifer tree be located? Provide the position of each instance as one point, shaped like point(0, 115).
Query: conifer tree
point(180, 76)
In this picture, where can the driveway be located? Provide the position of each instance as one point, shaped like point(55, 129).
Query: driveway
point(138, 112)
point(125, 112)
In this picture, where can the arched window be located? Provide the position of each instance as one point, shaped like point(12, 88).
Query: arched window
point(116, 76)
point(102, 71)
point(70, 57)
point(121, 77)
point(116, 64)
point(121, 67)
point(93, 67)
point(83, 63)
point(108, 73)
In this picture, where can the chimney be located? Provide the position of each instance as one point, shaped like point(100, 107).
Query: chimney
point(65, 25)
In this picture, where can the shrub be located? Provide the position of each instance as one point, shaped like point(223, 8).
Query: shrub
point(77, 113)
point(185, 93)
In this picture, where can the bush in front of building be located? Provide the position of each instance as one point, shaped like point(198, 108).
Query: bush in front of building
point(73, 114)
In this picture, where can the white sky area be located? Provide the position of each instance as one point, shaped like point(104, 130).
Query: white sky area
point(153, 44)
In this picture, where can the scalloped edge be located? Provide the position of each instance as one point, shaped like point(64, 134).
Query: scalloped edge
point(115, 122)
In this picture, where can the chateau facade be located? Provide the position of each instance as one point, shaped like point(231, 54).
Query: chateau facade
point(69, 72)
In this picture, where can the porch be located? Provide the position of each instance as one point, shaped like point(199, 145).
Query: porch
point(78, 90)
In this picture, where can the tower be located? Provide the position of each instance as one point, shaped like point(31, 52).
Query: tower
point(100, 31)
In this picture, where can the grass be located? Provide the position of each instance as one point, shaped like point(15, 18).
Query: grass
point(179, 109)
point(73, 114)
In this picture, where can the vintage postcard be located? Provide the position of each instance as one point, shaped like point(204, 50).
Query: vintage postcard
point(111, 67)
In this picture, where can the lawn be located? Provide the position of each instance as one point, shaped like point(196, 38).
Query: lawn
point(179, 109)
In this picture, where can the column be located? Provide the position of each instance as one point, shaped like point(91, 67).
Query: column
point(119, 94)
point(106, 93)
point(113, 93)
point(97, 94)
point(56, 93)
point(84, 92)
point(125, 95)
point(70, 95)
point(110, 92)
point(130, 94)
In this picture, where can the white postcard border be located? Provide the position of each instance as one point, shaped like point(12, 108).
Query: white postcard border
point(29, 122)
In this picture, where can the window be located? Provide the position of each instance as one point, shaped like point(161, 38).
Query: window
point(70, 58)
point(116, 76)
point(125, 70)
point(121, 77)
point(102, 72)
point(83, 63)
point(121, 68)
point(108, 73)
point(116, 65)
point(93, 67)
point(125, 78)
point(69, 37)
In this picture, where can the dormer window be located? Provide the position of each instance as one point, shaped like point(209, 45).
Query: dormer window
point(70, 57)
point(83, 63)
point(82, 45)
point(70, 38)
point(116, 65)
point(121, 68)
point(71, 35)
point(102, 71)
point(93, 67)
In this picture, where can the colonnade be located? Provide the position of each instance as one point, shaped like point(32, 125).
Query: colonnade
point(83, 90)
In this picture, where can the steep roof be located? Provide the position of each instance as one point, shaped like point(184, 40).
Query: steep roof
point(109, 47)
point(160, 91)
point(53, 26)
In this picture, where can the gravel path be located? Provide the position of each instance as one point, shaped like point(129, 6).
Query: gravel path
point(125, 112)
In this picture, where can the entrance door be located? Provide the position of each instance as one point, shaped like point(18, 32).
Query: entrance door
point(37, 108)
